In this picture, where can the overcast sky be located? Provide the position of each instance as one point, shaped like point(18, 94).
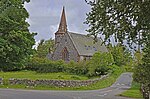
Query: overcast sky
point(44, 16)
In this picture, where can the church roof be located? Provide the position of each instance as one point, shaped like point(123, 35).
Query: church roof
point(85, 44)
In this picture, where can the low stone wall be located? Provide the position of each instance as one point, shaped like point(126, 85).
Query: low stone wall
point(57, 83)
point(1, 80)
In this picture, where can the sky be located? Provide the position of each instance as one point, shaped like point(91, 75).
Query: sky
point(44, 16)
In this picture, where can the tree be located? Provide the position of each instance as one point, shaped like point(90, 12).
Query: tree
point(45, 47)
point(124, 20)
point(138, 57)
point(99, 64)
point(120, 54)
point(142, 71)
point(15, 39)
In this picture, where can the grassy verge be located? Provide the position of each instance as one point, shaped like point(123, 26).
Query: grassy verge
point(133, 92)
point(101, 84)
point(33, 75)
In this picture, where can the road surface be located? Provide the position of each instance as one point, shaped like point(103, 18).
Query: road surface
point(122, 84)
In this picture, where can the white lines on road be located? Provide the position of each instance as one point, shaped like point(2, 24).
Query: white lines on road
point(103, 95)
point(76, 97)
point(106, 91)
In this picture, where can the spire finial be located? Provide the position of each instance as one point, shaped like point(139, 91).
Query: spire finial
point(63, 24)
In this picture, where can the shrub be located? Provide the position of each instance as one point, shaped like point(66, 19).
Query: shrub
point(44, 65)
point(121, 55)
point(99, 64)
point(115, 70)
point(76, 68)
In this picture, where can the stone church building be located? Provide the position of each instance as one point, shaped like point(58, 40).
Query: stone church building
point(74, 46)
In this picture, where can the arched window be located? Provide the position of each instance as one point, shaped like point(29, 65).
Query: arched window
point(65, 54)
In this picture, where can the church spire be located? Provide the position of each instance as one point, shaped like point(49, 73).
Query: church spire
point(63, 24)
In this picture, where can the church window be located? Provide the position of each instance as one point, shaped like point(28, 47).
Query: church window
point(65, 40)
point(89, 47)
point(86, 47)
point(94, 48)
point(65, 54)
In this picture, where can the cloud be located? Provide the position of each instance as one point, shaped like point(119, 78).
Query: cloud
point(44, 16)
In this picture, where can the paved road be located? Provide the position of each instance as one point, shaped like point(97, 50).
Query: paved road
point(122, 84)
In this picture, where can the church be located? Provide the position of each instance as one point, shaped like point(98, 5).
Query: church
point(74, 46)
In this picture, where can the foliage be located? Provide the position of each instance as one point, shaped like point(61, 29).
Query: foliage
point(45, 47)
point(99, 64)
point(99, 85)
point(114, 68)
point(15, 40)
point(44, 65)
point(122, 19)
point(133, 92)
point(121, 55)
point(79, 68)
point(142, 73)
point(138, 57)
point(32, 75)
point(142, 70)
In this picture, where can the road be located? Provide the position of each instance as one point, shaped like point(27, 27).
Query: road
point(122, 84)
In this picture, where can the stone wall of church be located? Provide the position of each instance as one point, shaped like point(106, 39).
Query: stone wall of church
point(66, 42)
point(85, 58)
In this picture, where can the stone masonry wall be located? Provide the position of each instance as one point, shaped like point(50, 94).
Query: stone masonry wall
point(57, 83)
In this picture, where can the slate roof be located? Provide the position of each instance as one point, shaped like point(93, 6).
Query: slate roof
point(85, 45)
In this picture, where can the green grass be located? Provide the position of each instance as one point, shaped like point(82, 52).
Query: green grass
point(33, 75)
point(101, 84)
point(133, 92)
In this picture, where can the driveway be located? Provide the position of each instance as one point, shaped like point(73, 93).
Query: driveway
point(123, 83)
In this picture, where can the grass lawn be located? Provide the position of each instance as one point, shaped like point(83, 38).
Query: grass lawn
point(133, 92)
point(33, 75)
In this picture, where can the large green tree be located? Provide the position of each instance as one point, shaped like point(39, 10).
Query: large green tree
point(44, 48)
point(142, 71)
point(124, 20)
point(121, 55)
point(15, 39)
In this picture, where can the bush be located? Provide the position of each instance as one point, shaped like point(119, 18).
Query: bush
point(43, 65)
point(121, 55)
point(99, 64)
point(76, 68)
point(114, 68)
point(12, 67)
